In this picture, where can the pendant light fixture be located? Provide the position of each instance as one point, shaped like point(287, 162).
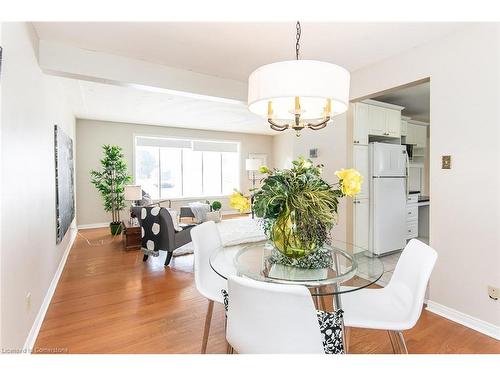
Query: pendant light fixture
point(298, 94)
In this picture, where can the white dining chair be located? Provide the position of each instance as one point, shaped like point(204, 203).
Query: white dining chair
point(266, 318)
point(398, 306)
point(206, 240)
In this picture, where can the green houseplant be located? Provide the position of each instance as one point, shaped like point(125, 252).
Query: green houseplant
point(299, 208)
point(216, 206)
point(110, 182)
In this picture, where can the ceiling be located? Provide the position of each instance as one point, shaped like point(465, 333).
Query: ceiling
point(227, 50)
point(415, 99)
point(98, 101)
point(234, 50)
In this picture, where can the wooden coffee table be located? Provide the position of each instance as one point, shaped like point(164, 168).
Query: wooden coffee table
point(131, 236)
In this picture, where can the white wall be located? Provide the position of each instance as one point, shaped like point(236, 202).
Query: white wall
point(91, 135)
point(32, 104)
point(283, 149)
point(1, 44)
point(464, 71)
point(332, 151)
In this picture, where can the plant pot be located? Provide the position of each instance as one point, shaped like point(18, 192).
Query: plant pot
point(116, 228)
point(214, 216)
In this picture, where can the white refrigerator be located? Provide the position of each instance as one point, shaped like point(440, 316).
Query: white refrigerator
point(388, 194)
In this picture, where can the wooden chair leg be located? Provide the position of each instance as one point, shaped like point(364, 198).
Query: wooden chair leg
point(145, 257)
point(402, 343)
point(394, 344)
point(169, 256)
point(347, 338)
point(206, 330)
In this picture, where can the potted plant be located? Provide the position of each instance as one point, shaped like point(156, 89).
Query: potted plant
point(299, 208)
point(216, 206)
point(214, 214)
point(110, 182)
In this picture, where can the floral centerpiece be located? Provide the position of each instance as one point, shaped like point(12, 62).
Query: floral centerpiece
point(298, 207)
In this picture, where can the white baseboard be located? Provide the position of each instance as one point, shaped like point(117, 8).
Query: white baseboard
point(464, 319)
point(92, 226)
point(37, 324)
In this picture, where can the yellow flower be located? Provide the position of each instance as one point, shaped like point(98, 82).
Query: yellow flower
point(239, 202)
point(263, 169)
point(350, 181)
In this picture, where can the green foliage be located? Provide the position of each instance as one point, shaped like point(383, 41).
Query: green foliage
point(111, 180)
point(298, 198)
point(216, 205)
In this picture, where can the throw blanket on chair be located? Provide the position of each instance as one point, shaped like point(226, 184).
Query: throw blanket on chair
point(200, 211)
point(150, 230)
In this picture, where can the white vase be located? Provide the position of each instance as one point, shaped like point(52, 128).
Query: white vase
point(214, 216)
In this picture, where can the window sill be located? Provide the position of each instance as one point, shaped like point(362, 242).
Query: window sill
point(211, 197)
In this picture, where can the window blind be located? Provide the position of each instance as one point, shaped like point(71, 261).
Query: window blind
point(215, 146)
point(163, 142)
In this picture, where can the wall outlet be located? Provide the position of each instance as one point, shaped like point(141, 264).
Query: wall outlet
point(493, 292)
point(446, 162)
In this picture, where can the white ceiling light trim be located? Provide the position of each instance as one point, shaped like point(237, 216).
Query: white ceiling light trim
point(298, 94)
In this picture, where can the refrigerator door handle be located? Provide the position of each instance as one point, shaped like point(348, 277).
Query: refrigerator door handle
point(407, 177)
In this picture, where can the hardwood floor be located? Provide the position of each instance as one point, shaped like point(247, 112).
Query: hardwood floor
point(109, 301)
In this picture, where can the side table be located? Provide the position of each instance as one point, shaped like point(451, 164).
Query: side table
point(131, 236)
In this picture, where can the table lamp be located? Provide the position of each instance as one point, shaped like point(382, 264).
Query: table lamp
point(132, 193)
point(252, 165)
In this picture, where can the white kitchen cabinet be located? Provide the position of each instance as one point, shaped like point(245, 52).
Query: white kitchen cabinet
point(377, 120)
point(360, 124)
point(384, 120)
point(393, 123)
point(412, 216)
point(404, 126)
point(361, 225)
point(417, 135)
point(360, 163)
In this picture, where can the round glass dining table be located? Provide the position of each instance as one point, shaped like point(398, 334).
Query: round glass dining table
point(353, 268)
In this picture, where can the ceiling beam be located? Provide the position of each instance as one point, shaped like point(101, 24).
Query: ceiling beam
point(71, 62)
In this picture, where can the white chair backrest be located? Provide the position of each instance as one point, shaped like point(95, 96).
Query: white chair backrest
point(206, 240)
point(271, 318)
point(413, 271)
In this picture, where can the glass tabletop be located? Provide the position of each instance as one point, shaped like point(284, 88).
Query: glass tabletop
point(353, 268)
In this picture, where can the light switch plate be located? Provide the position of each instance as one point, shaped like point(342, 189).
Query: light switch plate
point(446, 162)
point(493, 292)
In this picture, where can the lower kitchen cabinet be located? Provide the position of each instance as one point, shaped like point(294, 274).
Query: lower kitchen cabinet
point(361, 227)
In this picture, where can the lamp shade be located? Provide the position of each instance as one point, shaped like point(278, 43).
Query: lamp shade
point(314, 82)
point(253, 164)
point(132, 192)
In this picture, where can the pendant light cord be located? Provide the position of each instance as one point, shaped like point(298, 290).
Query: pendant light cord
point(297, 43)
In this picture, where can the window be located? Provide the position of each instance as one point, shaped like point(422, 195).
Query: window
point(182, 168)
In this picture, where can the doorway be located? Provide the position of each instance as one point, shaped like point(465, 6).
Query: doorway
point(399, 117)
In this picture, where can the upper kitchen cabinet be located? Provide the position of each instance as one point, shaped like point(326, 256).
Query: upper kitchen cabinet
point(384, 120)
point(360, 124)
point(376, 121)
point(417, 134)
point(404, 126)
point(393, 123)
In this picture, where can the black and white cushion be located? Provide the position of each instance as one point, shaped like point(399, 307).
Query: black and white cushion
point(150, 230)
point(225, 297)
point(330, 324)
